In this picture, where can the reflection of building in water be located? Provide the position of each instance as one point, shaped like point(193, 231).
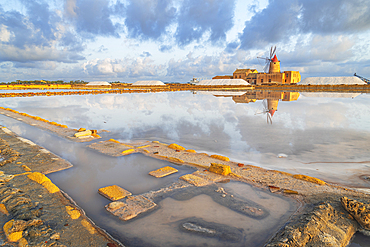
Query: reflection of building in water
point(273, 76)
point(270, 99)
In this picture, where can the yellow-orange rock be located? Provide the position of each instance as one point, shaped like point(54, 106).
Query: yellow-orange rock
point(162, 172)
point(128, 151)
point(176, 147)
point(44, 181)
point(83, 133)
point(220, 157)
point(88, 226)
point(38, 177)
point(26, 168)
point(220, 169)
point(73, 212)
point(114, 192)
point(3, 209)
point(174, 159)
point(112, 140)
point(309, 179)
point(12, 236)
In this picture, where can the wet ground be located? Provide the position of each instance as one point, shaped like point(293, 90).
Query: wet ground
point(321, 137)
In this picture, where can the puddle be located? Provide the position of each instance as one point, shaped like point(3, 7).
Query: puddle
point(360, 240)
point(200, 221)
point(163, 227)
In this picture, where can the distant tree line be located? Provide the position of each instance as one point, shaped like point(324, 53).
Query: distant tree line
point(38, 82)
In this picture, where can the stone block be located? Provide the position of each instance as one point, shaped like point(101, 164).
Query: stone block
point(162, 172)
point(114, 192)
point(83, 133)
point(195, 180)
point(132, 207)
point(176, 147)
point(73, 212)
point(220, 169)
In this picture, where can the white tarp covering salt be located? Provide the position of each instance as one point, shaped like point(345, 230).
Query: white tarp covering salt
point(348, 80)
point(98, 83)
point(221, 93)
point(148, 83)
point(331, 95)
point(224, 82)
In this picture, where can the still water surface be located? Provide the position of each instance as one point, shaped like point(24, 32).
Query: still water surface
point(322, 135)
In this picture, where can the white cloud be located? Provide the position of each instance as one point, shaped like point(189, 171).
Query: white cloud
point(4, 34)
point(128, 68)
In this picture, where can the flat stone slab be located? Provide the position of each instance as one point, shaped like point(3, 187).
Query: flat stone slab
point(132, 207)
point(195, 180)
point(162, 172)
point(200, 227)
point(113, 148)
point(114, 192)
point(210, 176)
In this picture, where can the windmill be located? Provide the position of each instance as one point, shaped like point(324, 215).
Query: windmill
point(269, 108)
point(268, 59)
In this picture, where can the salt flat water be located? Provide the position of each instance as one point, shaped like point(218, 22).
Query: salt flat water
point(325, 135)
point(322, 135)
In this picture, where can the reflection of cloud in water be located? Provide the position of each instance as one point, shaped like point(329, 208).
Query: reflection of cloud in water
point(203, 122)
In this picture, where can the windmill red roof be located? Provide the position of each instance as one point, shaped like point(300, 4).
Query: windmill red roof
point(272, 111)
point(275, 59)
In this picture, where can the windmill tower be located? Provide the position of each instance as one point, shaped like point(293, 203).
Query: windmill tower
point(274, 65)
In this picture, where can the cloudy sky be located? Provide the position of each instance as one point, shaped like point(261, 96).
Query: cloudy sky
point(173, 40)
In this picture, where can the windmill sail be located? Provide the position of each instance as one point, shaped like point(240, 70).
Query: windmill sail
point(268, 59)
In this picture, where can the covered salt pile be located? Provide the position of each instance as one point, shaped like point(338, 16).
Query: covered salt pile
point(331, 95)
point(347, 80)
point(98, 83)
point(220, 82)
point(148, 83)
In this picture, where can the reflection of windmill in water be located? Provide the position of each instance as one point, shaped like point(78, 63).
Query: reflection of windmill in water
point(269, 108)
